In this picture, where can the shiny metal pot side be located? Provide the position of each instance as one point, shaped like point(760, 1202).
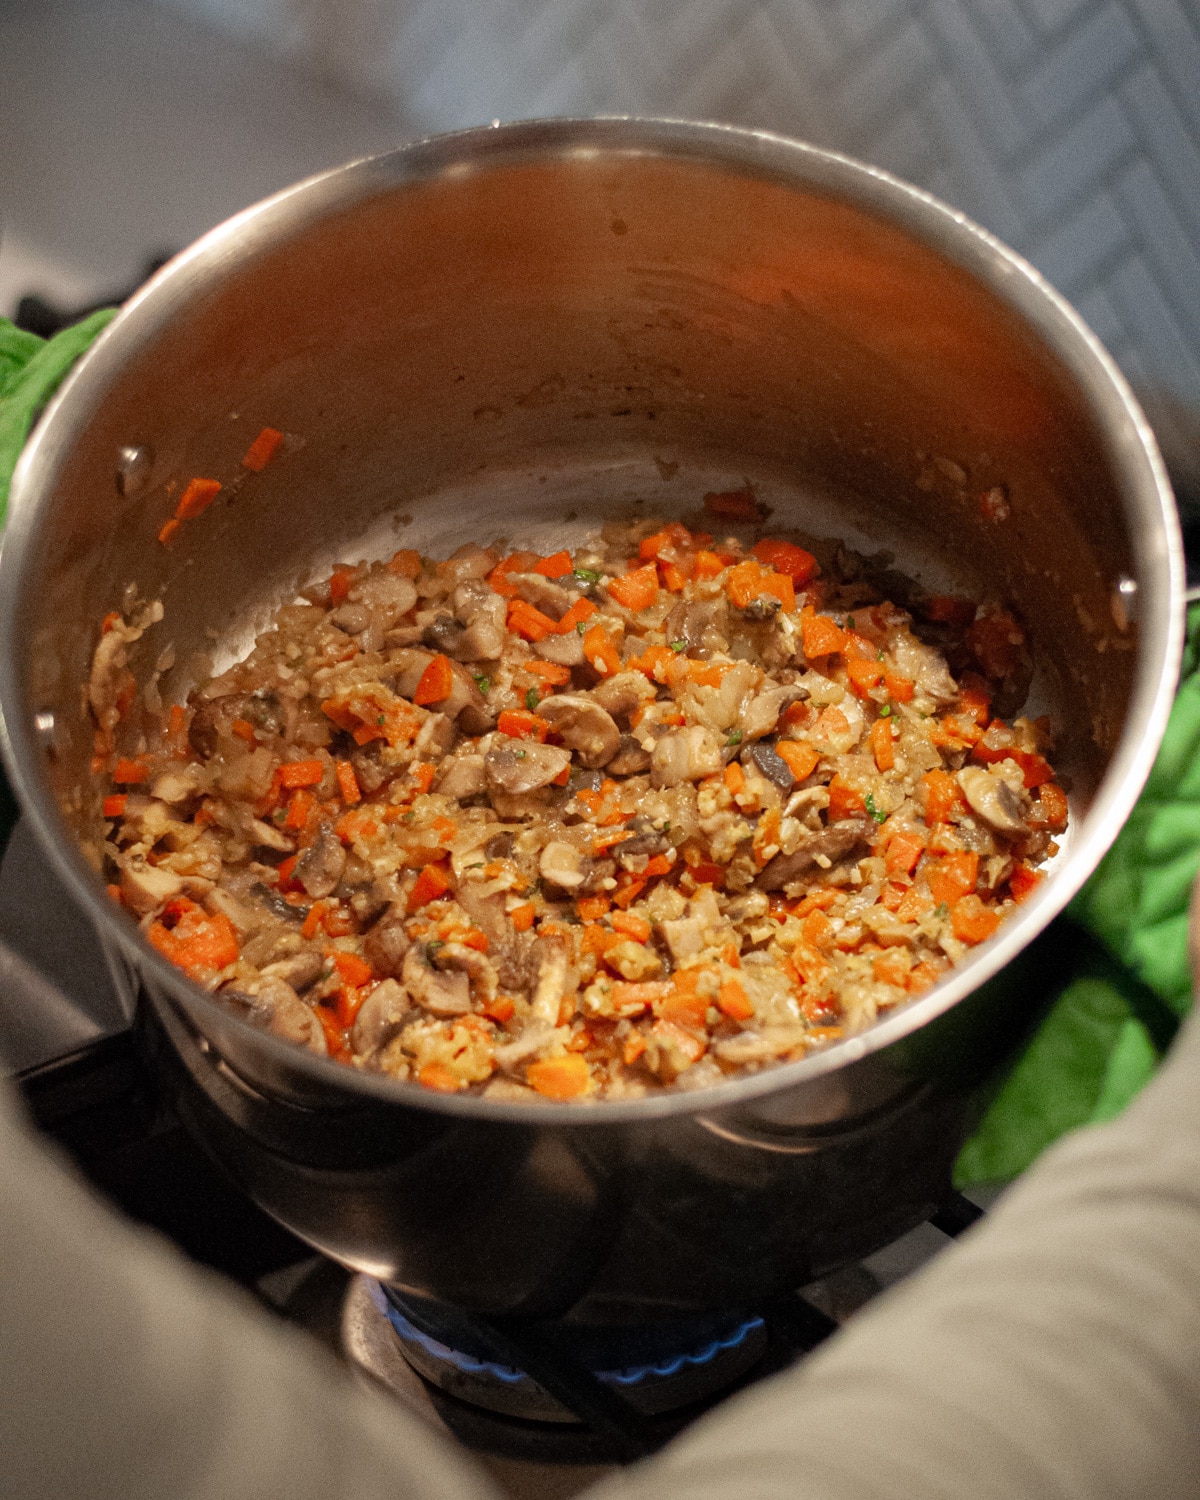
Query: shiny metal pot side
point(476, 336)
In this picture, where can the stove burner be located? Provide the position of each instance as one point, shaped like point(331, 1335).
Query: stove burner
point(653, 1369)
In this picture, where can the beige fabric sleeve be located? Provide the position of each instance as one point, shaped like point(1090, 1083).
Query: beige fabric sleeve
point(1054, 1352)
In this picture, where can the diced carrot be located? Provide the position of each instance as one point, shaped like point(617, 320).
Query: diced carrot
point(923, 976)
point(903, 851)
point(974, 698)
point(883, 747)
point(312, 922)
point(284, 871)
point(971, 921)
point(557, 565)
point(262, 450)
point(338, 920)
point(817, 929)
point(914, 905)
point(674, 537)
point(659, 865)
point(522, 916)
point(501, 1009)
point(1036, 769)
point(819, 635)
point(348, 783)
point(437, 681)
point(520, 724)
point(683, 1007)
point(952, 875)
point(110, 621)
point(1050, 810)
point(674, 576)
point(353, 969)
point(196, 498)
point(632, 925)
point(942, 796)
point(800, 759)
point(596, 938)
point(559, 1077)
point(406, 563)
point(735, 778)
point(168, 529)
point(128, 772)
point(176, 719)
point(745, 582)
point(198, 942)
point(780, 587)
point(707, 565)
point(734, 1002)
point(581, 610)
point(735, 505)
point(423, 773)
point(1023, 881)
point(635, 1045)
point(892, 967)
point(636, 590)
point(438, 1077)
point(300, 806)
point(550, 672)
point(350, 1002)
point(339, 583)
point(432, 883)
point(628, 894)
point(600, 651)
point(654, 662)
point(562, 778)
point(474, 937)
point(114, 806)
point(592, 908)
point(863, 675)
point(786, 557)
point(296, 773)
point(244, 731)
point(844, 800)
point(529, 623)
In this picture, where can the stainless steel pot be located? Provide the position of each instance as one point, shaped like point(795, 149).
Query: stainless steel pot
point(518, 331)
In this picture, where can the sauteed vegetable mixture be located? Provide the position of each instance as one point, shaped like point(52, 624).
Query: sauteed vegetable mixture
point(666, 808)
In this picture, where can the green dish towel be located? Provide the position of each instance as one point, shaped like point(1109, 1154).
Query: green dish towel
point(1104, 1032)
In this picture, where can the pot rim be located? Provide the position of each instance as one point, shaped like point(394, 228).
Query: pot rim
point(1132, 450)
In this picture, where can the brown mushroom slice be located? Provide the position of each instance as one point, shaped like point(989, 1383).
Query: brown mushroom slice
point(300, 970)
point(478, 968)
point(583, 726)
point(623, 693)
point(542, 593)
point(442, 994)
point(631, 759)
point(320, 867)
point(463, 776)
point(562, 650)
point(685, 755)
point(761, 714)
point(145, 887)
point(833, 844)
point(992, 799)
point(291, 1019)
point(380, 1016)
point(524, 766)
point(386, 943)
point(562, 864)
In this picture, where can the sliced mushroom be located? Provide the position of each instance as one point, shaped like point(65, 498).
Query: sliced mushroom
point(993, 799)
point(542, 593)
point(462, 776)
point(562, 650)
point(697, 625)
point(623, 693)
point(772, 766)
point(442, 994)
point(761, 714)
point(321, 865)
point(923, 665)
point(387, 942)
point(352, 618)
point(291, 1019)
point(835, 843)
point(583, 726)
point(524, 766)
point(379, 1018)
point(685, 755)
point(631, 759)
point(386, 595)
point(300, 970)
point(478, 968)
point(562, 864)
point(551, 987)
point(144, 887)
point(408, 667)
point(369, 770)
point(212, 720)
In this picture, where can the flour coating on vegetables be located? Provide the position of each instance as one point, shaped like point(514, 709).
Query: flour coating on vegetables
point(589, 825)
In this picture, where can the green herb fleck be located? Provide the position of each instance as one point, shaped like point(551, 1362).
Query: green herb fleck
point(484, 684)
point(850, 622)
point(588, 575)
point(381, 720)
point(581, 628)
point(941, 910)
point(886, 711)
point(432, 948)
point(880, 817)
point(478, 866)
point(520, 754)
point(678, 645)
point(735, 738)
point(531, 699)
point(880, 656)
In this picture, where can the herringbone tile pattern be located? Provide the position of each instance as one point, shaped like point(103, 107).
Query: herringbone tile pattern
point(1069, 127)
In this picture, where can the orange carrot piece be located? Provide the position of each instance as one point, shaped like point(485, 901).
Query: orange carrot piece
point(844, 800)
point(312, 922)
point(636, 590)
point(432, 883)
point(800, 759)
point(786, 557)
point(674, 537)
point(708, 565)
point(863, 675)
point(632, 925)
point(891, 967)
point(684, 1007)
point(522, 916)
point(1023, 881)
point(819, 635)
point(438, 1077)
point(529, 623)
point(300, 806)
point(734, 1002)
point(129, 772)
point(600, 651)
point(296, 773)
point(114, 806)
point(735, 778)
point(952, 876)
point(501, 1009)
point(559, 1077)
point(262, 450)
point(339, 583)
point(348, 783)
point(592, 908)
point(550, 672)
point(899, 689)
point(635, 1045)
point(942, 796)
point(971, 921)
point(1050, 810)
point(628, 894)
point(353, 970)
point(557, 565)
point(437, 681)
point(196, 499)
point(883, 747)
point(406, 563)
point(581, 610)
point(168, 530)
point(520, 724)
point(903, 851)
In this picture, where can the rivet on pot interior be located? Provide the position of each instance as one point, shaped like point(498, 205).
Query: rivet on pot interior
point(134, 463)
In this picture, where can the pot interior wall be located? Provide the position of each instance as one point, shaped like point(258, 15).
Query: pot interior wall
point(489, 350)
